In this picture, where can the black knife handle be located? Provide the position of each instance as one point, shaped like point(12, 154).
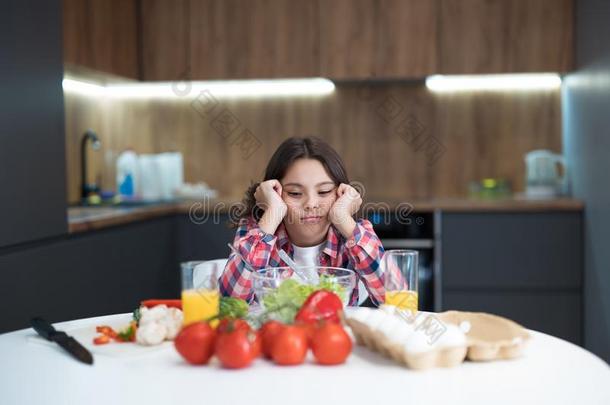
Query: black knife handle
point(43, 328)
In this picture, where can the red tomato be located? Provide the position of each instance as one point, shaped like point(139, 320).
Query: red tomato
point(331, 344)
point(289, 346)
point(231, 323)
point(268, 333)
point(235, 349)
point(195, 342)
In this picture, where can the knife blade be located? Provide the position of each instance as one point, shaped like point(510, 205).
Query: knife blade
point(68, 343)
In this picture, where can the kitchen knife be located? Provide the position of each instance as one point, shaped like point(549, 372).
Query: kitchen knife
point(68, 343)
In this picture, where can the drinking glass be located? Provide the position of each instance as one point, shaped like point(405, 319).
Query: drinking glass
point(400, 269)
point(200, 295)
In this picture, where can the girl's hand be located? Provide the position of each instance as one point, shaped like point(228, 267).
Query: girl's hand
point(347, 204)
point(268, 196)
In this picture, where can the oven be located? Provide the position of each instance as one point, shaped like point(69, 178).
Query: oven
point(415, 231)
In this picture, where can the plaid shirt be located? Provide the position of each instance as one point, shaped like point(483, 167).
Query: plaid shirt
point(361, 252)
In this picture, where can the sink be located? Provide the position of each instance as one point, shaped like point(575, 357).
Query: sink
point(81, 213)
point(85, 213)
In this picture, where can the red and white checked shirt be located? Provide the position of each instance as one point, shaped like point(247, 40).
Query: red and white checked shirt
point(361, 252)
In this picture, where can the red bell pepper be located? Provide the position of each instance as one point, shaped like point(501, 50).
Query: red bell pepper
point(154, 302)
point(106, 330)
point(321, 305)
point(101, 340)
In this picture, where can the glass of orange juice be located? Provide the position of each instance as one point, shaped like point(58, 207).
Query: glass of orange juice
point(400, 269)
point(200, 295)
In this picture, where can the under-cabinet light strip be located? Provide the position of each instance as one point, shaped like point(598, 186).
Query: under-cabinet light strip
point(219, 89)
point(500, 82)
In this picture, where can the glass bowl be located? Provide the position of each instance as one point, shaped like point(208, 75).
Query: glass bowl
point(267, 284)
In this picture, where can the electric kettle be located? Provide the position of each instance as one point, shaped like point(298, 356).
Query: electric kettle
point(545, 174)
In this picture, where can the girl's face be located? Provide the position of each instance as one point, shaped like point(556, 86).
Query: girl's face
point(309, 193)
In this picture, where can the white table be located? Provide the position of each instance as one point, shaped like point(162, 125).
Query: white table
point(553, 372)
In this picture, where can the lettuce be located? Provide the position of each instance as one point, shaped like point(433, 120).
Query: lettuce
point(285, 301)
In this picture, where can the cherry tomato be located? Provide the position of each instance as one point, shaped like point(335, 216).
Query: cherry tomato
point(235, 348)
point(268, 333)
point(289, 346)
point(331, 344)
point(195, 342)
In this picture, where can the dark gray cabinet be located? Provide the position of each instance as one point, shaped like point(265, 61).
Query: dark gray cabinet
point(204, 240)
point(95, 273)
point(106, 271)
point(32, 163)
point(556, 313)
point(526, 266)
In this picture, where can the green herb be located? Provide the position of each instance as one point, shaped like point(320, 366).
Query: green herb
point(128, 334)
point(137, 315)
point(231, 307)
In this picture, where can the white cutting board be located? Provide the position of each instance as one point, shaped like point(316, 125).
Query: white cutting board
point(85, 335)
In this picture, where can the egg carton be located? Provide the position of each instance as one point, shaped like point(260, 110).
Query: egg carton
point(490, 337)
point(485, 337)
point(435, 356)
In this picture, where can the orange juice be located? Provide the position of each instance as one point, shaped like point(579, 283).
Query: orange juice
point(199, 305)
point(402, 299)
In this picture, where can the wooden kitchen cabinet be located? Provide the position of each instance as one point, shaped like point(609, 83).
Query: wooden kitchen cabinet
point(499, 36)
point(165, 39)
point(406, 38)
point(102, 35)
point(243, 39)
point(348, 38)
point(362, 39)
point(338, 39)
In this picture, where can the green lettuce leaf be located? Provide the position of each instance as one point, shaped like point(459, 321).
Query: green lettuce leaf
point(287, 299)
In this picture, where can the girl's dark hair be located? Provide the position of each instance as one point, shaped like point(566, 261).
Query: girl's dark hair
point(290, 150)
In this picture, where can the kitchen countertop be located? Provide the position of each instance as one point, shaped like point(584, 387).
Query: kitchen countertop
point(81, 219)
point(478, 205)
point(87, 218)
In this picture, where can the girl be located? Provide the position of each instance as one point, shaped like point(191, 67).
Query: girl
point(304, 206)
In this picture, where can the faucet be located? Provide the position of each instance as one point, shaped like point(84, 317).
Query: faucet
point(86, 188)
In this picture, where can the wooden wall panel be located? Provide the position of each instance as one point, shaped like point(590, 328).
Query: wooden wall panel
point(486, 135)
point(82, 113)
point(400, 140)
